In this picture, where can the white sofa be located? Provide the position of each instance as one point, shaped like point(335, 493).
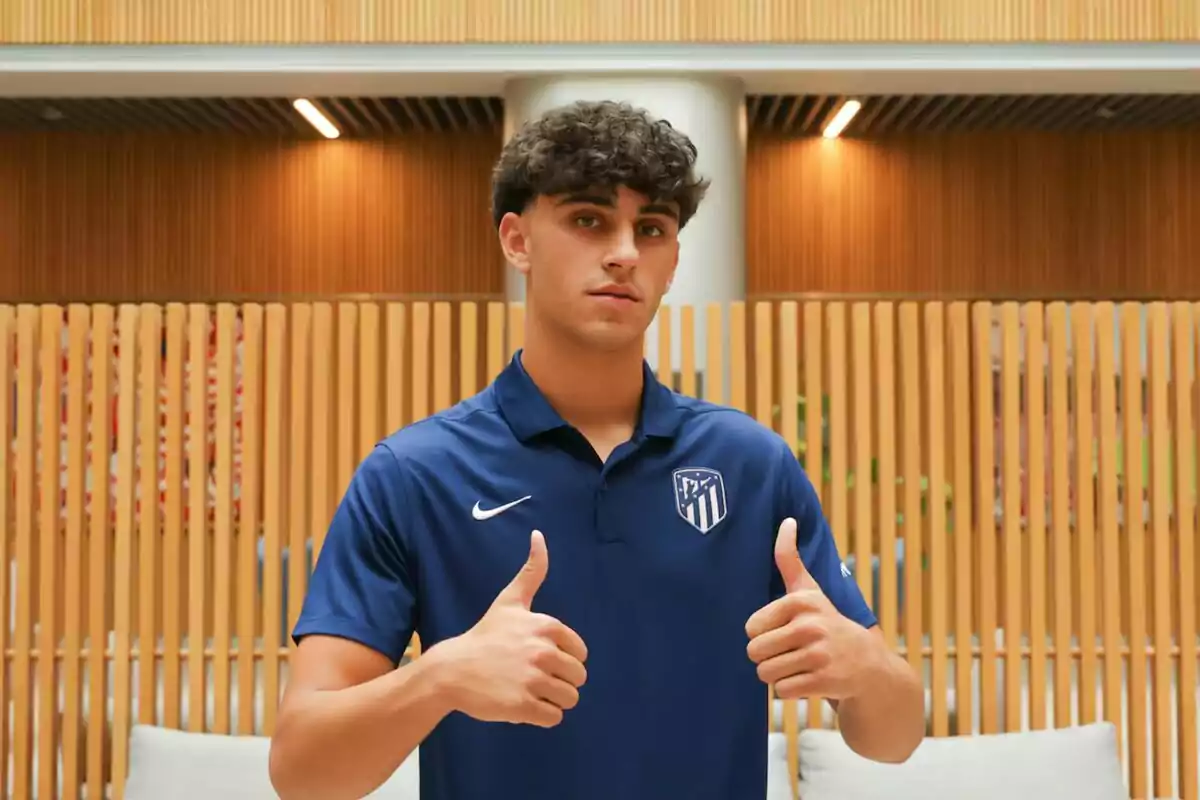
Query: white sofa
point(1079, 762)
point(1057, 764)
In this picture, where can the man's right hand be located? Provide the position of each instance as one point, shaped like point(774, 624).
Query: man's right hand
point(515, 665)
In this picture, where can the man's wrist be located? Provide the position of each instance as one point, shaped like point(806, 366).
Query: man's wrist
point(877, 667)
point(436, 671)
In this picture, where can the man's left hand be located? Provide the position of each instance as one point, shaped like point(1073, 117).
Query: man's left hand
point(802, 644)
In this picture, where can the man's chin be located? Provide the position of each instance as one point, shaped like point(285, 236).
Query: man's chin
point(609, 335)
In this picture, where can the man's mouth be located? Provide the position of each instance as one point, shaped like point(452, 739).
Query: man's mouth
point(615, 292)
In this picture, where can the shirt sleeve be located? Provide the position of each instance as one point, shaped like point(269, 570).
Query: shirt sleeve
point(363, 584)
point(818, 550)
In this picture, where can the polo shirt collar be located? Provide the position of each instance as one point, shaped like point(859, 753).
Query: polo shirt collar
point(530, 414)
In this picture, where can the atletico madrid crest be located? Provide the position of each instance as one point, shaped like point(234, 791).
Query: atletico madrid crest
point(700, 497)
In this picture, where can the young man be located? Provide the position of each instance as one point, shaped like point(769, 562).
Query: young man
point(605, 574)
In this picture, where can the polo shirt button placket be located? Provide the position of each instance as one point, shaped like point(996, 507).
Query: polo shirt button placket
point(605, 530)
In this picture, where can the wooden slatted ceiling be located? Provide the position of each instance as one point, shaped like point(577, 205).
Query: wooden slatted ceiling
point(355, 116)
point(795, 115)
point(806, 115)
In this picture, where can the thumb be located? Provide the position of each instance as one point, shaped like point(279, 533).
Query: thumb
point(527, 582)
point(787, 558)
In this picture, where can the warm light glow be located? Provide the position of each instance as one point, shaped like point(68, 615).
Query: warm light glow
point(841, 119)
point(318, 120)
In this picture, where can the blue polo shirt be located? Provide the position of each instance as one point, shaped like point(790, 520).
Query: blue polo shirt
point(657, 559)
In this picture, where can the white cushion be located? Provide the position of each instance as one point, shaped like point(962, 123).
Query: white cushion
point(166, 763)
point(1081, 761)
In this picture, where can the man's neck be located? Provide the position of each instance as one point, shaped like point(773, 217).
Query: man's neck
point(599, 393)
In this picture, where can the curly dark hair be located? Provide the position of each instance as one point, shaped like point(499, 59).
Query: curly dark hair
point(601, 144)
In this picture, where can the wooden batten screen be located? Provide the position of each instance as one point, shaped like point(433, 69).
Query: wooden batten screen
point(1013, 485)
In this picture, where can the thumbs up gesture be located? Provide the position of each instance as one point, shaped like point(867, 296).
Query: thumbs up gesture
point(802, 644)
point(515, 665)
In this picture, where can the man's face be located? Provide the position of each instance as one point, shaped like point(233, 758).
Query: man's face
point(597, 263)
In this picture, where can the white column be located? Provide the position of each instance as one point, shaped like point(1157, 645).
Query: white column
point(709, 110)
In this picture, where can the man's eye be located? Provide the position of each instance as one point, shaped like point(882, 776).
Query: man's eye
point(651, 229)
point(586, 221)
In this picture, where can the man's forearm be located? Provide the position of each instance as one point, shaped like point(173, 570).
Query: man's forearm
point(886, 721)
point(344, 743)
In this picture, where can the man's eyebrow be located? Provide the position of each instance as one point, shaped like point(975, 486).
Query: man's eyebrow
point(584, 197)
point(661, 208)
point(607, 201)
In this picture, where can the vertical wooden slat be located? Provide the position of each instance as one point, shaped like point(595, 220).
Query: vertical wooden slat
point(123, 543)
point(764, 363)
point(468, 350)
point(1160, 444)
point(939, 565)
point(1185, 547)
point(737, 355)
point(959, 339)
point(1060, 513)
point(295, 516)
point(1010, 410)
point(789, 374)
point(421, 343)
point(99, 543)
point(1135, 535)
point(345, 440)
point(199, 327)
point(714, 367)
point(7, 324)
point(495, 340)
point(323, 475)
point(1107, 506)
point(985, 532)
point(442, 356)
point(172, 559)
point(1085, 514)
point(368, 376)
point(687, 350)
point(248, 521)
point(49, 532)
point(99, 560)
point(1035, 400)
point(1189, 770)
point(814, 393)
point(910, 453)
point(885, 409)
point(864, 489)
point(24, 504)
point(148, 531)
point(835, 321)
point(666, 370)
point(396, 362)
point(223, 542)
point(274, 508)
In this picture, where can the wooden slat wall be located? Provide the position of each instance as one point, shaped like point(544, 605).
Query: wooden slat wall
point(1025, 215)
point(166, 217)
point(457, 21)
point(1032, 523)
point(235, 217)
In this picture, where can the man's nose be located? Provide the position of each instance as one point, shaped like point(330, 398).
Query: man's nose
point(624, 251)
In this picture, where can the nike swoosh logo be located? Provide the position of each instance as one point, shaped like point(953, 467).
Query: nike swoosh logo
point(479, 513)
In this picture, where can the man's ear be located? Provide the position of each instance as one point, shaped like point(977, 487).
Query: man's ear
point(514, 241)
